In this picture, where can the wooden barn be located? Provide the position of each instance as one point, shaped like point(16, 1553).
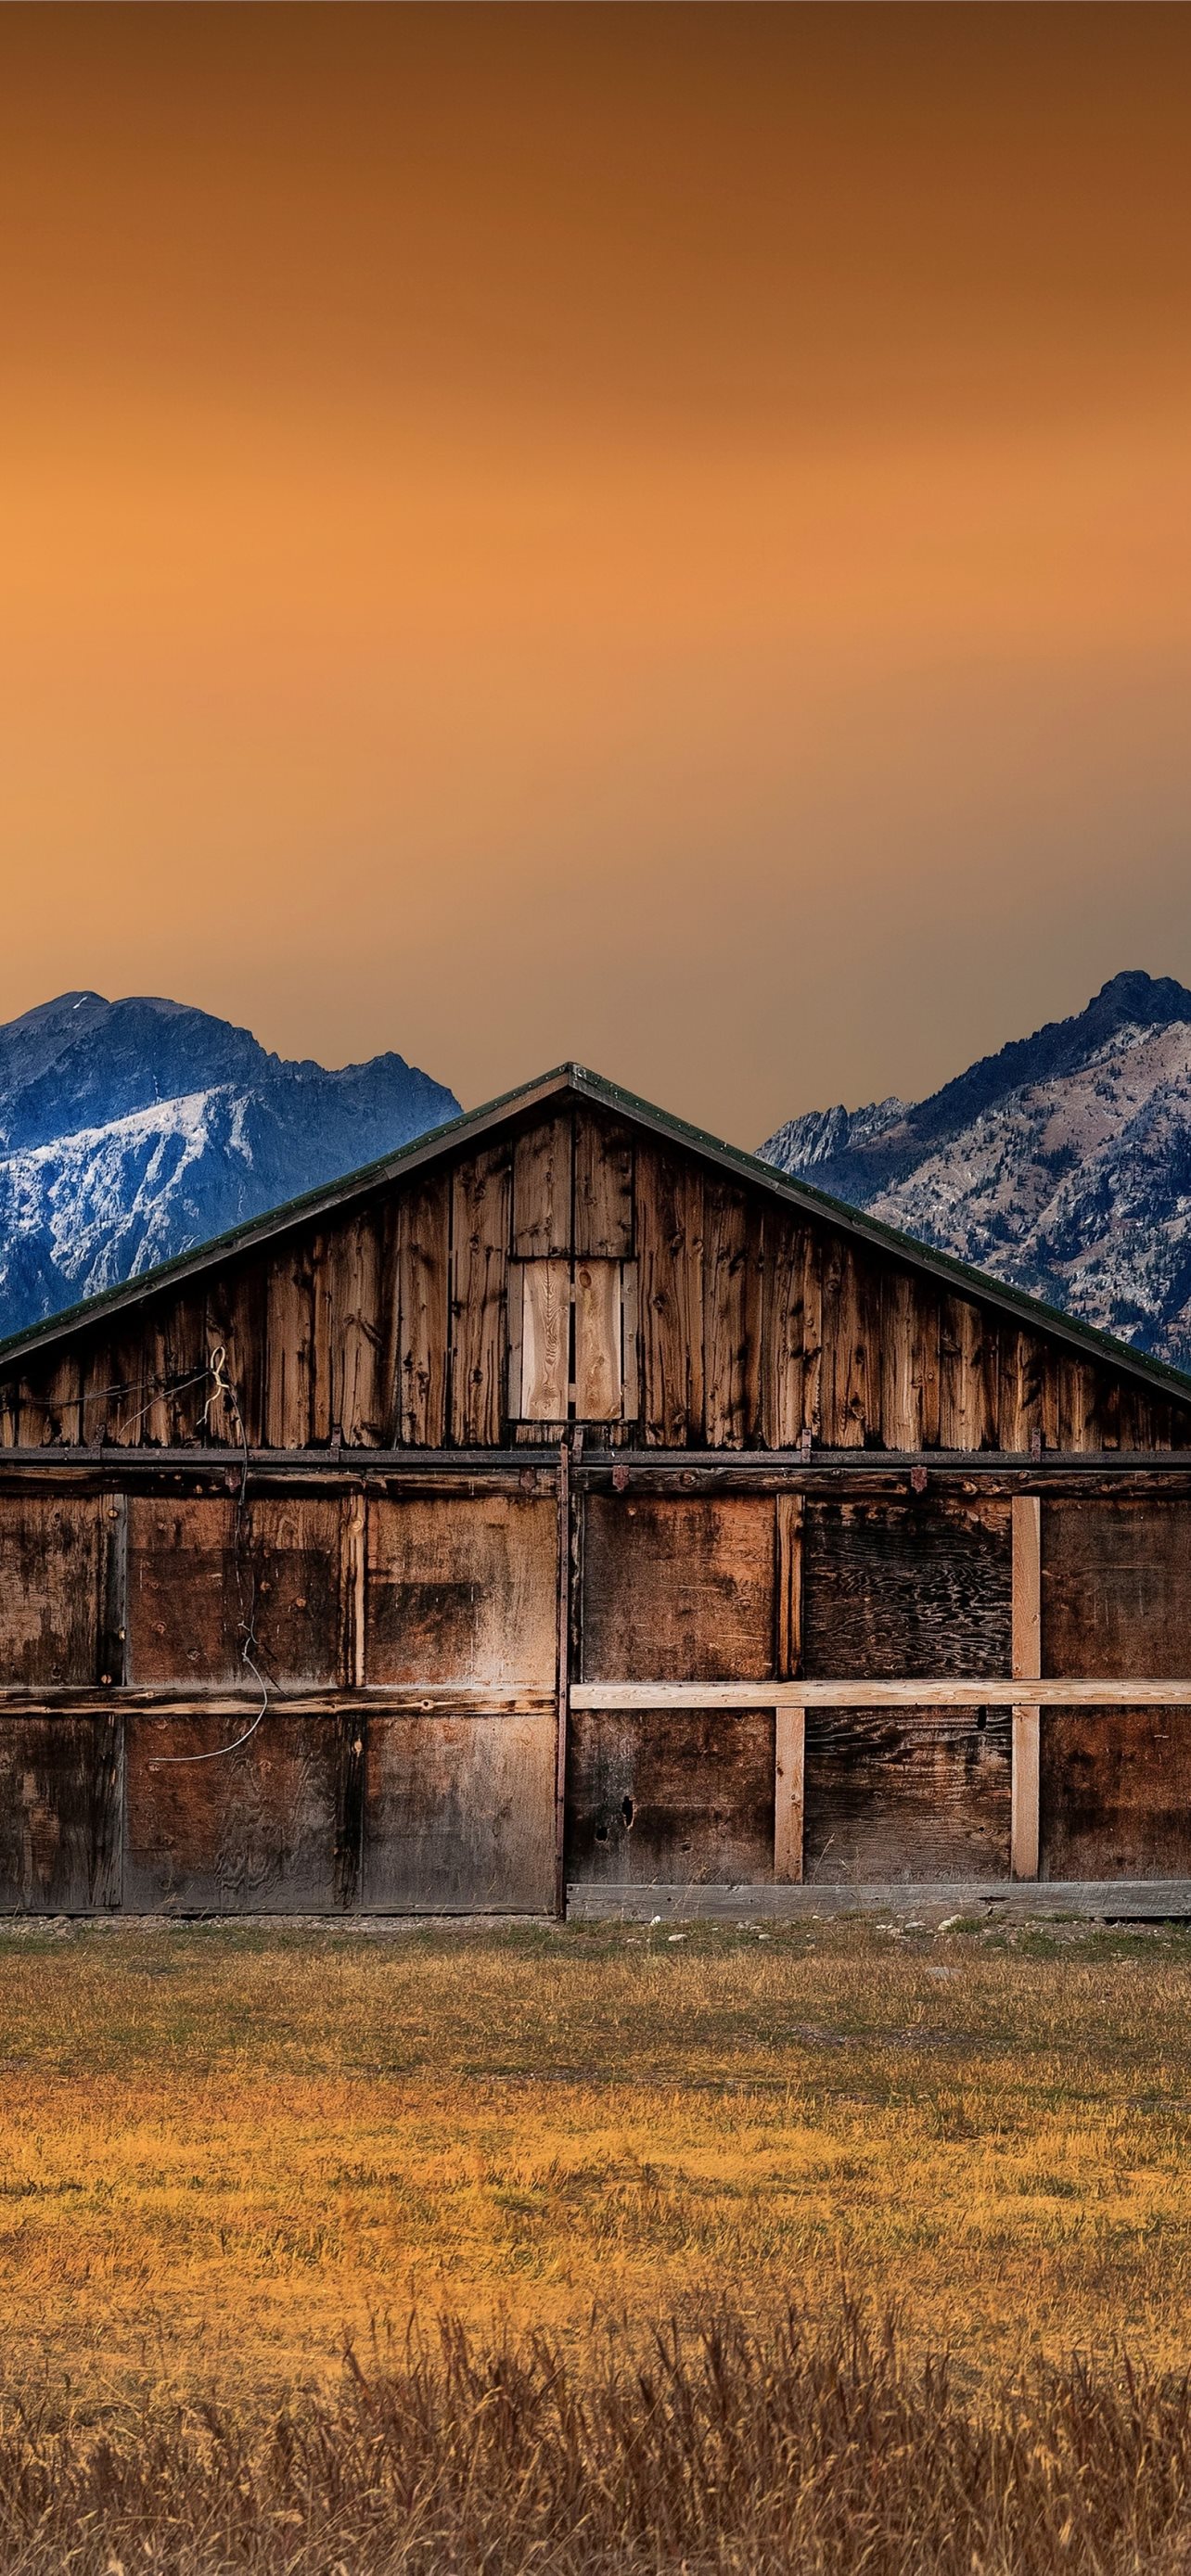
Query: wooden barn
point(573, 1509)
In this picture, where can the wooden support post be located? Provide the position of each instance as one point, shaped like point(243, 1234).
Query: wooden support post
point(788, 1539)
point(788, 1778)
point(353, 1724)
point(1027, 1666)
point(564, 1675)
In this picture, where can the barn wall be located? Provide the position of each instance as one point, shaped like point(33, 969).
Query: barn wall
point(729, 1320)
point(407, 1629)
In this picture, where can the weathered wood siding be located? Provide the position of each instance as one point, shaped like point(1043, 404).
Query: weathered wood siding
point(729, 1320)
point(924, 1795)
point(421, 1581)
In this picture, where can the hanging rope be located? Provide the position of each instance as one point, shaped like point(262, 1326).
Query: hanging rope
point(222, 1387)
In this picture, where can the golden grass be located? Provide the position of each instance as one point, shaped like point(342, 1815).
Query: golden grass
point(226, 2150)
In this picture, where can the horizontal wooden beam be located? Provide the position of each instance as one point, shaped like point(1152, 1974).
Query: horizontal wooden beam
point(446, 1699)
point(1130, 1900)
point(880, 1694)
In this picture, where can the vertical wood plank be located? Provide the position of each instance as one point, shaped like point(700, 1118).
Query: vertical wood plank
point(480, 1214)
point(782, 1334)
point(1027, 1666)
point(901, 1409)
point(289, 1330)
point(926, 1336)
point(423, 1299)
point(670, 1226)
point(790, 1511)
point(359, 1403)
point(1024, 1825)
point(604, 1176)
point(545, 1331)
point(1027, 1587)
point(969, 1377)
point(542, 1159)
point(630, 1340)
point(351, 1591)
point(812, 1334)
point(598, 1322)
point(731, 1315)
point(789, 1770)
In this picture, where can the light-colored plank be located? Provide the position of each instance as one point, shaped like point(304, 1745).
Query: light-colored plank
point(789, 1775)
point(790, 1511)
point(542, 1190)
point(1027, 1587)
point(1024, 1833)
point(545, 1339)
point(859, 1693)
point(598, 1363)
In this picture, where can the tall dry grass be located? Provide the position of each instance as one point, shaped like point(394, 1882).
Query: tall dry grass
point(767, 2448)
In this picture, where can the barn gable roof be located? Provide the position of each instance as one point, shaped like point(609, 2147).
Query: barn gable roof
point(577, 1082)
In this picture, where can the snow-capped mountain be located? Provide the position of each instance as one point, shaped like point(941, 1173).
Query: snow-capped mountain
point(131, 1130)
point(1062, 1165)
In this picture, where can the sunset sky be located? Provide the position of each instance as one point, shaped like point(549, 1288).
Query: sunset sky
point(654, 535)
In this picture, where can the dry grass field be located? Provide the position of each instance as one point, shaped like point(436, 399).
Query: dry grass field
point(230, 2155)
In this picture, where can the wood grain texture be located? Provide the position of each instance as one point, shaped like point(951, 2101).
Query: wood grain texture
point(542, 1170)
point(789, 1795)
point(459, 1815)
point(782, 1357)
point(670, 1235)
point(895, 1588)
point(682, 1796)
point(60, 1801)
point(1024, 1818)
point(630, 1344)
point(462, 1591)
point(480, 1223)
point(892, 1796)
point(732, 1307)
point(681, 1589)
point(540, 1298)
point(188, 1612)
point(361, 1291)
point(789, 1519)
point(969, 1376)
point(1116, 1589)
point(1115, 1794)
point(1027, 1588)
point(289, 1354)
point(423, 1297)
point(599, 1367)
point(261, 1830)
point(604, 1188)
point(51, 1589)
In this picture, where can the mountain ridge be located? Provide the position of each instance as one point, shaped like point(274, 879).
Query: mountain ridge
point(131, 1131)
point(1061, 1164)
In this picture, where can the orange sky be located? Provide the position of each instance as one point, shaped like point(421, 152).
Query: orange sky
point(657, 535)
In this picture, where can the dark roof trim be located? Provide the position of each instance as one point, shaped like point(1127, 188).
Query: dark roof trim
point(575, 1080)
